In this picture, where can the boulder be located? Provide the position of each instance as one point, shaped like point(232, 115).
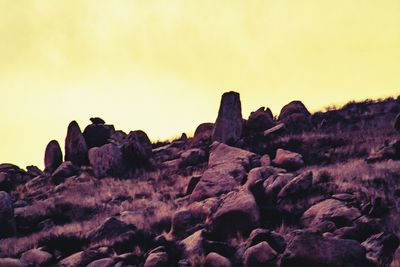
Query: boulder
point(397, 123)
point(329, 210)
point(185, 222)
point(97, 135)
point(226, 171)
point(65, 170)
point(310, 249)
point(238, 212)
point(202, 135)
point(388, 151)
point(52, 156)
point(137, 149)
point(292, 200)
point(193, 245)
point(381, 248)
point(105, 262)
point(229, 123)
point(274, 240)
point(97, 120)
point(111, 228)
point(215, 260)
point(288, 160)
point(192, 157)
point(107, 160)
point(75, 145)
point(260, 120)
point(295, 116)
point(7, 220)
point(81, 258)
point(37, 257)
point(33, 171)
point(157, 259)
point(265, 160)
point(260, 255)
point(10, 262)
point(259, 173)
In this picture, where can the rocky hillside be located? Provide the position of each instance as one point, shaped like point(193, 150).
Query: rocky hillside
point(300, 189)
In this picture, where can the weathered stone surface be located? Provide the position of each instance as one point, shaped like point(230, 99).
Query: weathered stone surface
point(309, 249)
point(260, 255)
point(107, 160)
point(202, 135)
point(75, 145)
point(397, 123)
point(33, 171)
point(259, 173)
point(157, 259)
point(10, 262)
point(274, 240)
point(237, 212)
point(215, 260)
point(7, 220)
point(105, 262)
point(381, 248)
point(260, 120)
point(137, 148)
point(193, 157)
point(81, 258)
point(109, 229)
point(185, 222)
point(229, 123)
point(97, 135)
point(52, 156)
point(288, 160)
point(193, 245)
point(293, 199)
point(66, 169)
point(37, 257)
point(265, 160)
point(226, 170)
point(329, 210)
point(295, 116)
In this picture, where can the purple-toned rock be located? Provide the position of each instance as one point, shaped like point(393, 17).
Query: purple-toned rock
point(97, 135)
point(288, 160)
point(381, 248)
point(37, 257)
point(76, 149)
point(52, 156)
point(137, 148)
point(295, 116)
point(215, 260)
point(7, 220)
point(107, 160)
point(229, 123)
point(260, 255)
point(202, 135)
point(260, 120)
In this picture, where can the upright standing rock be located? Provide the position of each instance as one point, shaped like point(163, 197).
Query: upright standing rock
point(137, 149)
point(76, 149)
point(7, 220)
point(228, 126)
point(52, 156)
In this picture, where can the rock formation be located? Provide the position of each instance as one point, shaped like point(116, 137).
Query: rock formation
point(229, 123)
point(75, 145)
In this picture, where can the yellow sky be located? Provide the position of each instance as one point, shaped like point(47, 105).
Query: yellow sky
point(161, 66)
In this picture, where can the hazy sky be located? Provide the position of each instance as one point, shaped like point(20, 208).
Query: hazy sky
point(161, 66)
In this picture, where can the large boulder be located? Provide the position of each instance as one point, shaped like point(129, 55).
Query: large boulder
point(76, 149)
point(229, 123)
point(329, 210)
point(295, 116)
point(215, 260)
point(310, 249)
point(260, 120)
point(7, 220)
point(97, 135)
point(237, 212)
point(52, 156)
point(381, 248)
point(37, 257)
point(193, 157)
point(106, 160)
point(137, 149)
point(292, 200)
point(288, 160)
point(226, 170)
point(185, 222)
point(260, 255)
point(111, 228)
point(65, 170)
point(202, 135)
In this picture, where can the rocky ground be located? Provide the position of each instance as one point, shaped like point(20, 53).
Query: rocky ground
point(299, 189)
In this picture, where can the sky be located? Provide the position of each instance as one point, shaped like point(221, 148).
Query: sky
point(162, 66)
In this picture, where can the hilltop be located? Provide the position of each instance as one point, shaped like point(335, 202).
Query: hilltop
point(299, 189)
